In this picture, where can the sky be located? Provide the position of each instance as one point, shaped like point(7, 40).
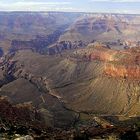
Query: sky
point(100, 6)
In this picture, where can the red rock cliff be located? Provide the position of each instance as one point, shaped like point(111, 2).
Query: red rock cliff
point(132, 72)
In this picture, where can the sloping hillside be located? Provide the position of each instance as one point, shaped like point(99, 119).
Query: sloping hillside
point(95, 79)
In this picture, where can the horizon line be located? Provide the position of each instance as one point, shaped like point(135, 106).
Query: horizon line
point(35, 11)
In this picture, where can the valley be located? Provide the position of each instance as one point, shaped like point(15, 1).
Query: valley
point(75, 75)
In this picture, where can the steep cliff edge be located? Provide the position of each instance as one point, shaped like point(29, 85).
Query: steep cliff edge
point(117, 63)
point(132, 72)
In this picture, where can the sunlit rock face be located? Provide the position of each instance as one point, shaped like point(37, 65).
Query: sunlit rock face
point(127, 66)
point(117, 63)
point(132, 72)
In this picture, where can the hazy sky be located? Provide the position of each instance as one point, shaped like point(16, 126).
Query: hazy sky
point(114, 6)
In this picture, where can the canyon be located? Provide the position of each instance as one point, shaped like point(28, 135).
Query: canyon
point(65, 73)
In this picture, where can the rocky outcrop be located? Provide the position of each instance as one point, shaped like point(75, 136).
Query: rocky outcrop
point(117, 63)
point(65, 45)
point(22, 114)
point(102, 56)
point(127, 65)
point(27, 137)
point(46, 44)
point(96, 51)
point(131, 72)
